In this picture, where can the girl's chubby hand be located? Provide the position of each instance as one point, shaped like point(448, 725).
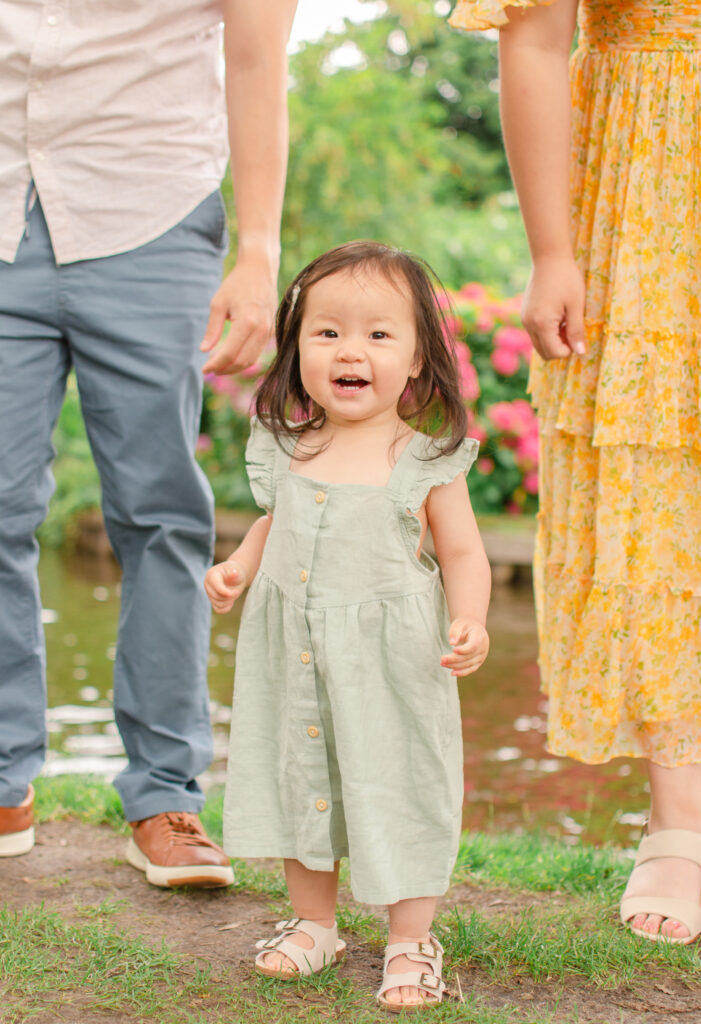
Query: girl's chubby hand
point(224, 583)
point(470, 642)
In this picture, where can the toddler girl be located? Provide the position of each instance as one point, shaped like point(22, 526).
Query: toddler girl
point(346, 735)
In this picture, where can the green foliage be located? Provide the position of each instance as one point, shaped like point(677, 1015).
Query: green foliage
point(404, 147)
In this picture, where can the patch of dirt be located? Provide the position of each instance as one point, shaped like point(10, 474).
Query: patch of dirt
point(76, 866)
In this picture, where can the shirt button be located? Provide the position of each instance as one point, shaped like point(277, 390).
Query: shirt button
point(305, 657)
point(52, 19)
point(304, 575)
point(321, 805)
point(320, 497)
point(312, 731)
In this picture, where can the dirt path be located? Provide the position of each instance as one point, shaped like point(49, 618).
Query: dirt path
point(75, 866)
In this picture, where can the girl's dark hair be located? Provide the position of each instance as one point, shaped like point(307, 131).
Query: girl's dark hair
point(431, 402)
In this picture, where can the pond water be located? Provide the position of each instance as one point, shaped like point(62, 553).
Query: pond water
point(511, 781)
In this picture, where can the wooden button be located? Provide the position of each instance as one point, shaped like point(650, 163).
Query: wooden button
point(312, 731)
point(305, 657)
point(304, 575)
point(321, 805)
point(319, 497)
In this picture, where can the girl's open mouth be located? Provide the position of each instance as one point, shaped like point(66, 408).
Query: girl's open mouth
point(350, 383)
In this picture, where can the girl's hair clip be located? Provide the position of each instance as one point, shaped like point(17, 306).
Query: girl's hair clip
point(295, 295)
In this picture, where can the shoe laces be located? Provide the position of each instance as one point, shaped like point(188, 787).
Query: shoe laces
point(184, 829)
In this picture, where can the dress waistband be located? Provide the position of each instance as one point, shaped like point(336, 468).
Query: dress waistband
point(640, 25)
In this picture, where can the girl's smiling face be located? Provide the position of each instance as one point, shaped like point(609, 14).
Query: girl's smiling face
point(357, 345)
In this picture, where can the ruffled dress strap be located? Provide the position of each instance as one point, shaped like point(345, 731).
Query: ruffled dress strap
point(419, 468)
point(265, 460)
point(482, 14)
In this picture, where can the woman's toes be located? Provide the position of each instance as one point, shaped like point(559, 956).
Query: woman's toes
point(638, 921)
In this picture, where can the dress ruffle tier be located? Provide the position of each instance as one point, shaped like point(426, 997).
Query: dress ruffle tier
point(618, 561)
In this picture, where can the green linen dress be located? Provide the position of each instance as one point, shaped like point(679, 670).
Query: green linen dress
point(346, 737)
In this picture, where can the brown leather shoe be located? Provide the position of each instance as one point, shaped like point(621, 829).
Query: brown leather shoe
point(174, 849)
point(17, 827)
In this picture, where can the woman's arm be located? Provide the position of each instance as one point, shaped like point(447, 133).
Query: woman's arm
point(534, 49)
point(225, 582)
point(466, 574)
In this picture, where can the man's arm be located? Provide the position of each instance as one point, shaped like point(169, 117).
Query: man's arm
point(255, 46)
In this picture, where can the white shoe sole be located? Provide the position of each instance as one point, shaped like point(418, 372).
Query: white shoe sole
point(17, 843)
point(202, 876)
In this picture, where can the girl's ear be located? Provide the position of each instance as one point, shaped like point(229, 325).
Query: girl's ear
point(416, 369)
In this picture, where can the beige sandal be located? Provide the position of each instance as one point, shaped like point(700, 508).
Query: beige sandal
point(327, 948)
point(671, 842)
point(428, 955)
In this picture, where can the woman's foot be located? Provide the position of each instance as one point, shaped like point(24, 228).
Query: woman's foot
point(669, 860)
point(667, 879)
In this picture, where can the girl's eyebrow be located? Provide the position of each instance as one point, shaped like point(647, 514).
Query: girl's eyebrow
point(381, 318)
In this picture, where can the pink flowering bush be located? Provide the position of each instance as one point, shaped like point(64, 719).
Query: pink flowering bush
point(493, 352)
point(493, 355)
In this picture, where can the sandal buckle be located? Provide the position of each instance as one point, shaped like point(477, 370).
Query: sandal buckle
point(427, 949)
point(275, 941)
point(429, 981)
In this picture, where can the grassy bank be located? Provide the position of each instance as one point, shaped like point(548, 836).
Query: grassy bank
point(529, 926)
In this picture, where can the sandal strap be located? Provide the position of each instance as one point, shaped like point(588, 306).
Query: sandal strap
point(431, 983)
point(307, 961)
point(419, 952)
point(670, 842)
point(684, 911)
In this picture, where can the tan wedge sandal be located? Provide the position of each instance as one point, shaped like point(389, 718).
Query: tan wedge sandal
point(671, 842)
point(429, 955)
point(327, 948)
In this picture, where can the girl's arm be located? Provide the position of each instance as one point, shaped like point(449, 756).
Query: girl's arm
point(534, 49)
point(466, 574)
point(225, 582)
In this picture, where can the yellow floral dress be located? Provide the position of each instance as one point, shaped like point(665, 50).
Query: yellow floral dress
point(618, 562)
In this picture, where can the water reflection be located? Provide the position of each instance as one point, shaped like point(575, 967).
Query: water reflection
point(511, 782)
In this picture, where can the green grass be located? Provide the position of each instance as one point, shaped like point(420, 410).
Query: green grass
point(538, 863)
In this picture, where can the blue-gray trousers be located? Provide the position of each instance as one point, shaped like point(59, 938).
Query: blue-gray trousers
point(130, 325)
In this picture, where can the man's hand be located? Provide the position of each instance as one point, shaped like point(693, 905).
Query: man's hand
point(224, 583)
point(470, 642)
point(248, 298)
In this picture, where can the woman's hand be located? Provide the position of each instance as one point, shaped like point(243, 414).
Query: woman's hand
point(553, 308)
point(470, 642)
point(224, 583)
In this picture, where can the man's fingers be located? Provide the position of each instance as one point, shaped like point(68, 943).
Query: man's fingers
point(240, 349)
point(215, 326)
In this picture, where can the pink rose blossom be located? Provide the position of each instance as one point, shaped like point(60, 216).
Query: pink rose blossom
point(505, 361)
point(530, 482)
point(485, 466)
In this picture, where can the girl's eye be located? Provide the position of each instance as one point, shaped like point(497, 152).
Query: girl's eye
point(378, 335)
point(328, 333)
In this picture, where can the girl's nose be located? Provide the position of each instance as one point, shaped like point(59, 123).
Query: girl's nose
point(350, 352)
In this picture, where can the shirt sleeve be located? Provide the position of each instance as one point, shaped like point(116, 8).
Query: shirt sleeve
point(482, 14)
point(261, 465)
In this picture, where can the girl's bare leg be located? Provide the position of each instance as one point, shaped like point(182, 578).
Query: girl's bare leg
point(313, 897)
point(675, 802)
point(409, 921)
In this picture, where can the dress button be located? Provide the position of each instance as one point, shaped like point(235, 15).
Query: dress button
point(321, 805)
point(305, 657)
point(52, 20)
point(304, 575)
point(320, 497)
point(312, 731)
